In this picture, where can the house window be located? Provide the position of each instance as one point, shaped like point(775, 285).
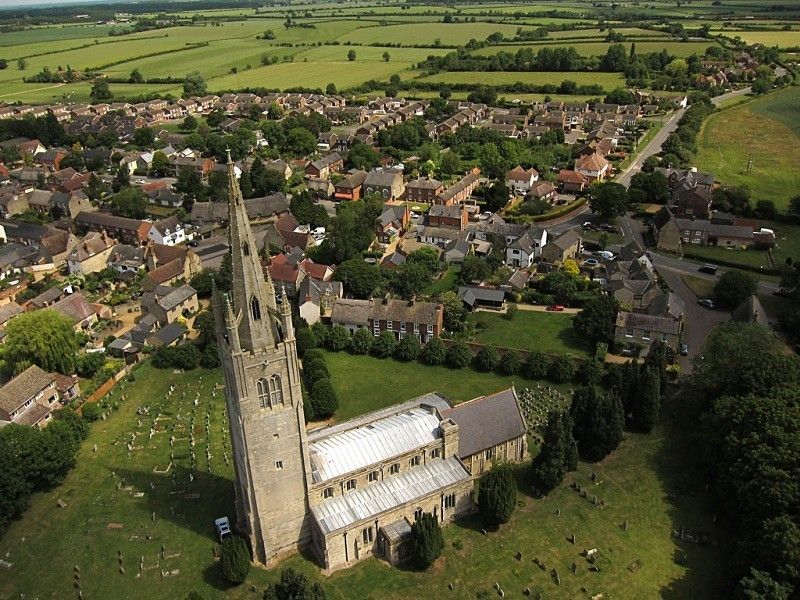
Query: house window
point(351, 484)
point(366, 535)
point(279, 464)
point(389, 325)
point(327, 493)
point(416, 327)
point(373, 476)
point(414, 461)
point(489, 454)
point(275, 390)
point(402, 327)
point(394, 469)
point(435, 453)
point(262, 387)
point(430, 328)
point(418, 514)
point(450, 501)
point(255, 309)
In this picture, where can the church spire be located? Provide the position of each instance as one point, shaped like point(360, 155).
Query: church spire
point(253, 294)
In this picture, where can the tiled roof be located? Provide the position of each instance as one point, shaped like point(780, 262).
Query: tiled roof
point(23, 387)
point(75, 307)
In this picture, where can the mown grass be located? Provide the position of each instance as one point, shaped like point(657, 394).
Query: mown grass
point(782, 39)
point(766, 130)
point(530, 330)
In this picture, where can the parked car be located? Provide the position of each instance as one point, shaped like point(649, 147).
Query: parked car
point(588, 225)
point(706, 303)
point(605, 254)
point(609, 228)
point(684, 350)
point(556, 308)
point(783, 293)
point(709, 269)
point(223, 527)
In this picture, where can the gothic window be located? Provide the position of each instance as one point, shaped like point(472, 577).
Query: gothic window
point(351, 484)
point(263, 392)
point(394, 469)
point(373, 476)
point(327, 493)
point(418, 514)
point(414, 461)
point(255, 308)
point(275, 390)
point(435, 453)
point(366, 535)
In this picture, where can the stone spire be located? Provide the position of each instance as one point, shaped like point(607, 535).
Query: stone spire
point(252, 293)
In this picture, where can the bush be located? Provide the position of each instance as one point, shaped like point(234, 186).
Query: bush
point(306, 340)
point(321, 332)
point(314, 354)
point(185, 357)
point(510, 363)
point(383, 346)
point(589, 372)
point(234, 559)
point(323, 399)
point(562, 369)
point(458, 356)
point(537, 365)
point(487, 359)
point(408, 348)
point(210, 359)
point(497, 494)
point(361, 342)
point(434, 353)
point(427, 541)
point(315, 369)
point(294, 586)
point(89, 364)
point(91, 411)
point(733, 287)
point(338, 338)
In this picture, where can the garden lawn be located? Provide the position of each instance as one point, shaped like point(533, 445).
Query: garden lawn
point(753, 259)
point(447, 282)
point(702, 288)
point(530, 330)
point(766, 129)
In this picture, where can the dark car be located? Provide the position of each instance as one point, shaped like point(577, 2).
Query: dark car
point(706, 303)
point(709, 269)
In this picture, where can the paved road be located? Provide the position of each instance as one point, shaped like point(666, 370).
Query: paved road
point(558, 226)
point(652, 148)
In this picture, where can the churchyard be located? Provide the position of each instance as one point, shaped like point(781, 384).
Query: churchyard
point(136, 520)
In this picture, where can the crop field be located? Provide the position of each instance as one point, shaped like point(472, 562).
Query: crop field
point(782, 39)
point(447, 33)
point(766, 130)
point(54, 33)
point(607, 80)
point(680, 49)
point(600, 35)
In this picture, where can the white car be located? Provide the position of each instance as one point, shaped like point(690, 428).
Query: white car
point(605, 254)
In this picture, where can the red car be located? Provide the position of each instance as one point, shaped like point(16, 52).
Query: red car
point(555, 308)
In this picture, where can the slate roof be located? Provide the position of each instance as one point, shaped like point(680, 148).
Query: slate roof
point(171, 333)
point(10, 310)
point(486, 422)
point(648, 323)
point(75, 307)
point(667, 304)
point(750, 310)
point(24, 387)
point(472, 294)
point(566, 239)
point(450, 211)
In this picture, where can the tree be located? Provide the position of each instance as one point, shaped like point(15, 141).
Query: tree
point(351, 56)
point(451, 163)
point(100, 91)
point(558, 454)
point(22, 64)
point(330, 89)
point(294, 586)
point(474, 268)
point(759, 585)
point(95, 189)
point(384, 345)
point(537, 365)
point(130, 202)
point(434, 353)
point(89, 364)
point(160, 167)
point(338, 339)
point(190, 182)
point(589, 372)
point(608, 199)
point(648, 400)
point(358, 277)
point(595, 323)
point(352, 231)
point(324, 399)
point(733, 287)
point(189, 123)
point(562, 369)
point(598, 422)
point(361, 342)
point(794, 205)
point(136, 77)
point(408, 348)
point(427, 541)
point(775, 547)
point(234, 559)
point(497, 494)
point(300, 142)
point(194, 85)
point(654, 186)
point(497, 196)
point(44, 338)
point(510, 363)
point(385, 57)
point(458, 355)
point(487, 359)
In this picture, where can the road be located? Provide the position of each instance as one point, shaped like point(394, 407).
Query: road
point(652, 148)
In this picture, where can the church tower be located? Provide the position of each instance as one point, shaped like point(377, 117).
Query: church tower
point(264, 399)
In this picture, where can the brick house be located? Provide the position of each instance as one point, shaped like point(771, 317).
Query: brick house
point(350, 188)
point(423, 189)
point(520, 181)
point(325, 166)
point(452, 216)
point(542, 190)
point(593, 167)
point(387, 184)
point(392, 222)
point(128, 231)
point(567, 245)
point(461, 191)
point(424, 320)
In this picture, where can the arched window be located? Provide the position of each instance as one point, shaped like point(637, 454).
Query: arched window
point(245, 249)
point(275, 390)
point(255, 308)
point(262, 387)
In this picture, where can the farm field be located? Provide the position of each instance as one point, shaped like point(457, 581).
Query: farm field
point(600, 35)
point(768, 129)
point(529, 330)
point(607, 80)
point(457, 95)
point(646, 482)
point(679, 49)
point(782, 39)
point(447, 33)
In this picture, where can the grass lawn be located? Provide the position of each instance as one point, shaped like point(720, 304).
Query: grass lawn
point(447, 33)
point(530, 330)
point(746, 258)
point(782, 39)
point(768, 129)
point(607, 80)
point(702, 288)
point(787, 241)
point(448, 281)
point(647, 482)
point(594, 236)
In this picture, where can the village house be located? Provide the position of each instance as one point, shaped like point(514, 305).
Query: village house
point(387, 184)
point(542, 190)
point(29, 398)
point(91, 255)
point(478, 296)
point(423, 189)
point(461, 191)
point(325, 166)
point(593, 167)
point(128, 231)
point(168, 304)
point(525, 249)
point(392, 223)
point(572, 181)
point(316, 298)
point(168, 232)
point(400, 317)
point(81, 313)
point(350, 188)
point(638, 331)
point(566, 246)
point(449, 216)
point(520, 181)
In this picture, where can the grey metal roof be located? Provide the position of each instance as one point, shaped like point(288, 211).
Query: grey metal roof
point(372, 443)
point(343, 511)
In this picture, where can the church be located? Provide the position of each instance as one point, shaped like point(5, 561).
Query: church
point(351, 490)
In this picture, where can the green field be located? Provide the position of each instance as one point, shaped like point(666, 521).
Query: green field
point(766, 129)
point(530, 330)
point(608, 80)
point(447, 33)
point(648, 482)
point(680, 49)
point(782, 39)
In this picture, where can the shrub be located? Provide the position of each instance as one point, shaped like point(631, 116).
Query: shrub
point(315, 369)
point(510, 363)
point(313, 354)
point(562, 369)
point(323, 399)
point(294, 586)
point(537, 365)
point(434, 353)
point(89, 364)
point(589, 372)
point(185, 357)
point(210, 359)
point(408, 348)
point(383, 346)
point(235, 559)
point(487, 359)
point(458, 356)
point(338, 339)
point(306, 340)
point(497, 494)
point(361, 342)
point(91, 411)
point(427, 541)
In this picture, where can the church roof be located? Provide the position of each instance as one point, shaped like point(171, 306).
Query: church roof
point(372, 443)
point(400, 490)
